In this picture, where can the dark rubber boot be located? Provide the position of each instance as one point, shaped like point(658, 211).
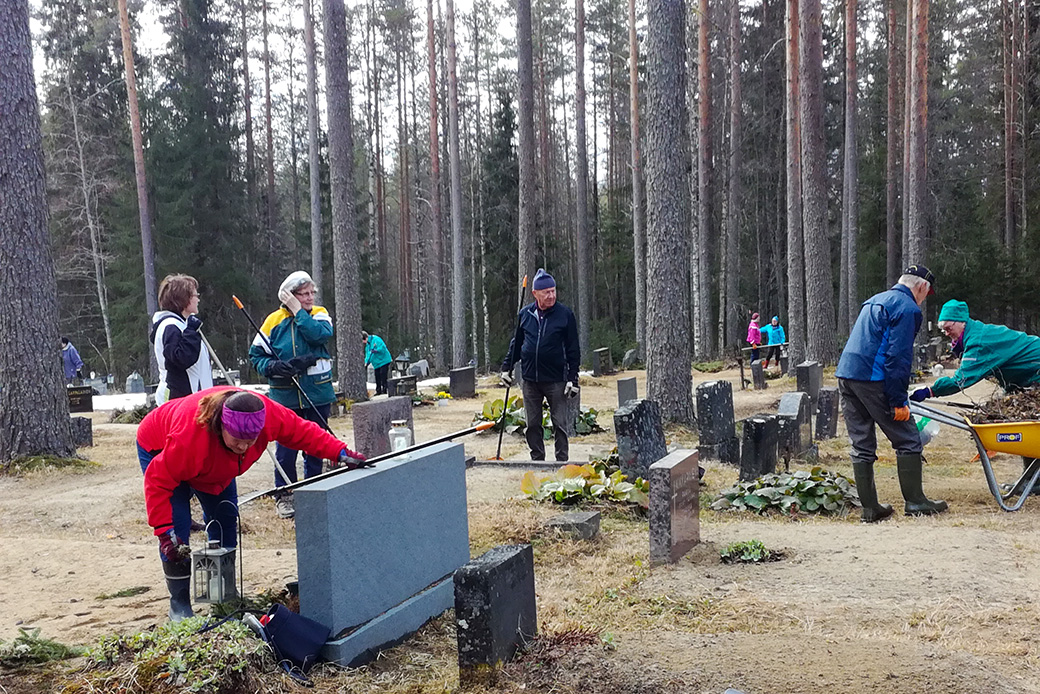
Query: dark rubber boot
point(178, 582)
point(873, 512)
point(917, 504)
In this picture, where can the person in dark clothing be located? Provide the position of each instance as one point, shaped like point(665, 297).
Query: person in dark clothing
point(180, 352)
point(546, 345)
point(873, 377)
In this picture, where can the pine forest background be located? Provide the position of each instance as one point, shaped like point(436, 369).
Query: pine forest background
point(929, 160)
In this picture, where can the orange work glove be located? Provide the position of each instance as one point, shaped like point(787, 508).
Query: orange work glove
point(901, 414)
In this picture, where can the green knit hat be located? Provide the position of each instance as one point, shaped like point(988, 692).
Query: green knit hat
point(954, 310)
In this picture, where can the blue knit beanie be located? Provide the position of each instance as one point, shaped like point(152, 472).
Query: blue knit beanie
point(543, 280)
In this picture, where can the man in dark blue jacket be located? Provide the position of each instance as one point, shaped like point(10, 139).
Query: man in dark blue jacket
point(546, 345)
point(873, 377)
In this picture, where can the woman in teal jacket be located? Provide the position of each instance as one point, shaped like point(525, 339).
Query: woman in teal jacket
point(378, 356)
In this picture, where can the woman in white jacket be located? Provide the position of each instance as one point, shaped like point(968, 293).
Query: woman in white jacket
point(180, 351)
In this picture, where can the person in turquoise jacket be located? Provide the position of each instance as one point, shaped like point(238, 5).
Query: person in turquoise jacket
point(378, 356)
point(298, 333)
point(773, 337)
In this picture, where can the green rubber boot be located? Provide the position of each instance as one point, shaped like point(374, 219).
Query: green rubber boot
point(917, 504)
point(178, 582)
point(873, 512)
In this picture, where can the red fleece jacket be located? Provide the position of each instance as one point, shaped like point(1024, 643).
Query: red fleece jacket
point(189, 452)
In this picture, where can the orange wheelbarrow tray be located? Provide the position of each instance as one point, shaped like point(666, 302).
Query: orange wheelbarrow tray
point(1016, 438)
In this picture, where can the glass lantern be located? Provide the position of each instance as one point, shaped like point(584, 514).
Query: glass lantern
point(213, 569)
point(400, 435)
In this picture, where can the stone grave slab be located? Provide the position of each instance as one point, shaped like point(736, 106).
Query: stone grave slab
point(82, 432)
point(601, 362)
point(419, 368)
point(758, 376)
point(369, 566)
point(640, 436)
point(717, 430)
point(582, 525)
point(809, 379)
point(674, 506)
point(785, 365)
point(463, 382)
point(627, 389)
point(758, 453)
point(81, 398)
point(370, 374)
point(402, 385)
point(827, 413)
point(495, 611)
point(795, 418)
point(630, 358)
point(371, 422)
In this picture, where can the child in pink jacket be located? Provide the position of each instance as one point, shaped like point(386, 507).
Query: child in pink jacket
point(754, 336)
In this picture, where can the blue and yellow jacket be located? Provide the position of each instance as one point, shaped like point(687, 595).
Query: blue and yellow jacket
point(1009, 356)
point(881, 346)
point(294, 336)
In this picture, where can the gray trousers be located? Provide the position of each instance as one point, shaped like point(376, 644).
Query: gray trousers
point(864, 404)
point(534, 392)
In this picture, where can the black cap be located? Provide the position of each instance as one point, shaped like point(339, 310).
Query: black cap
point(924, 273)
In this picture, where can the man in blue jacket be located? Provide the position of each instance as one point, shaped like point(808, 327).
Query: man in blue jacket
point(546, 345)
point(873, 377)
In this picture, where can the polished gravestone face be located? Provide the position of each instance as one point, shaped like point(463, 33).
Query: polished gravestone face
point(372, 423)
point(809, 377)
point(758, 376)
point(640, 436)
point(827, 414)
point(758, 453)
point(627, 389)
point(717, 431)
point(795, 425)
point(674, 506)
point(462, 382)
point(402, 385)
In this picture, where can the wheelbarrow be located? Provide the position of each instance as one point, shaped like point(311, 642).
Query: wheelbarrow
point(1016, 438)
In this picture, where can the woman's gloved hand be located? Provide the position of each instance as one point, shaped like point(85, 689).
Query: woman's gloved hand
point(303, 362)
point(172, 548)
point(281, 369)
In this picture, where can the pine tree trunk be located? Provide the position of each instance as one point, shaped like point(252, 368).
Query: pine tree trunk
point(582, 185)
point(850, 192)
point(269, 132)
point(349, 349)
point(440, 358)
point(1007, 10)
point(525, 123)
point(795, 241)
point(732, 318)
point(705, 233)
point(313, 153)
point(34, 409)
point(892, 243)
point(918, 144)
point(669, 383)
point(247, 103)
point(908, 68)
point(458, 259)
point(638, 208)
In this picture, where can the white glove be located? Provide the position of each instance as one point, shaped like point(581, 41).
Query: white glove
point(507, 378)
point(290, 301)
point(571, 390)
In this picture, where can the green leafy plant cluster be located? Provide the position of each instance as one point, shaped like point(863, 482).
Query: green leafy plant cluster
point(515, 421)
point(815, 491)
point(131, 416)
point(174, 654)
point(747, 552)
point(29, 648)
point(590, 482)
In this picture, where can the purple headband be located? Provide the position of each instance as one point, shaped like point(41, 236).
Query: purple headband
point(243, 425)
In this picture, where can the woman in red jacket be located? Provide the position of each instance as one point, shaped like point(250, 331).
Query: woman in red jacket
point(197, 446)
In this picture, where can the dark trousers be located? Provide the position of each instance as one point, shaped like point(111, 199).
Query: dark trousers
point(534, 393)
point(773, 352)
point(222, 508)
point(864, 404)
point(287, 457)
point(754, 352)
point(381, 373)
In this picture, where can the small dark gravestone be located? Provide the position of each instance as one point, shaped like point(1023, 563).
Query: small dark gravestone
point(629, 359)
point(627, 390)
point(415, 370)
point(759, 449)
point(601, 362)
point(81, 398)
point(372, 423)
point(640, 437)
point(718, 435)
point(757, 375)
point(809, 377)
point(827, 414)
point(581, 525)
point(423, 367)
point(82, 433)
point(463, 382)
point(494, 610)
point(674, 506)
point(795, 426)
point(402, 385)
point(785, 365)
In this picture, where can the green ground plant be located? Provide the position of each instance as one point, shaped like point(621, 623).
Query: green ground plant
point(515, 421)
point(35, 463)
point(572, 484)
point(747, 552)
point(131, 416)
point(709, 367)
point(29, 648)
point(810, 491)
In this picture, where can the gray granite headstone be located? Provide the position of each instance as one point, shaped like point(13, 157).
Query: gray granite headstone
point(463, 382)
point(827, 413)
point(582, 525)
point(758, 376)
point(785, 365)
point(601, 362)
point(717, 430)
point(415, 370)
point(759, 449)
point(82, 433)
point(630, 358)
point(423, 366)
point(627, 390)
point(402, 385)
point(372, 423)
point(495, 610)
point(640, 436)
point(370, 374)
point(376, 552)
point(795, 419)
point(809, 378)
point(674, 506)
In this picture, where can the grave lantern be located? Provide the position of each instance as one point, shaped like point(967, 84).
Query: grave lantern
point(213, 569)
point(403, 361)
